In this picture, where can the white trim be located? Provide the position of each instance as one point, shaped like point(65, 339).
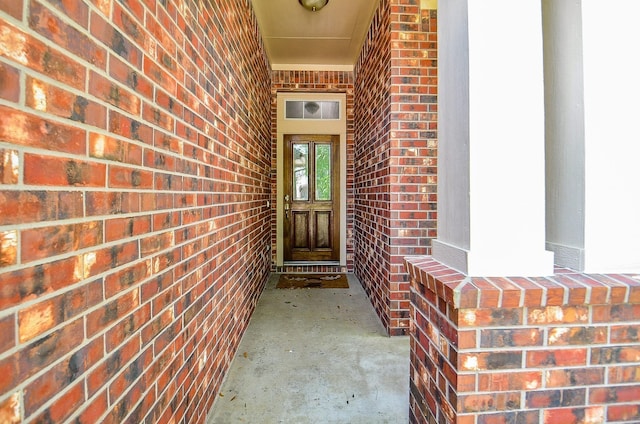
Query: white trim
point(311, 126)
point(310, 67)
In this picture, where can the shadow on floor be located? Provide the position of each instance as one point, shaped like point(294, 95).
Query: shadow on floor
point(316, 356)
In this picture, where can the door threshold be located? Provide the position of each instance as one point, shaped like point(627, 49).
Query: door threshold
point(311, 263)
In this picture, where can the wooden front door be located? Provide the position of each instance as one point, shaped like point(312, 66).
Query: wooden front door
point(311, 198)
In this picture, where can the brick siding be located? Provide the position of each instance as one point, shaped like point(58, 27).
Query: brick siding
point(134, 175)
point(559, 349)
point(395, 156)
point(304, 81)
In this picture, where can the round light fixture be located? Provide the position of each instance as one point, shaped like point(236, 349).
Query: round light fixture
point(313, 5)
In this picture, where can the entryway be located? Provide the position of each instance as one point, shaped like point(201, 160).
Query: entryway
point(316, 356)
point(311, 182)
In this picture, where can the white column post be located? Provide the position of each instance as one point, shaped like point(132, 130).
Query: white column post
point(491, 205)
point(612, 140)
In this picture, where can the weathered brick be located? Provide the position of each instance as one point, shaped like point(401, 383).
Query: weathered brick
point(104, 147)
point(130, 375)
point(113, 311)
point(12, 7)
point(113, 93)
point(121, 177)
point(523, 417)
point(125, 278)
point(8, 248)
point(615, 394)
point(490, 317)
point(63, 406)
point(48, 170)
point(38, 56)
point(559, 315)
point(489, 402)
point(130, 128)
point(555, 398)
point(623, 413)
point(525, 380)
point(46, 23)
point(9, 166)
point(9, 83)
point(111, 365)
point(37, 319)
point(615, 354)
point(156, 243)
point(47, 349)
point(38, 205)
point(592, 414)
point(114, 40)
point(127, 327)
point(491, 360)
point(7, 332)
point(501, 338)
point(111, 203)
point(61, 376)
point(158, 117)
point(10, 408)
point(48, 98)
point(32, 282)
point(132, 78)
point(155, 327)
point(94, 410)
point(166, 101)
point(574, 377)
point(121, 228)
point(52, 241)
point(622, 312)
point(45, 315)
point(624, 374)
point(556, 358)
point(577, 335)
point(30, 130)
point(625, 333)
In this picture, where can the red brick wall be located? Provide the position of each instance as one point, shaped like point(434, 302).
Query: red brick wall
point(562, 349)
point(304, 81)
point(134, 176)
point(396, 146)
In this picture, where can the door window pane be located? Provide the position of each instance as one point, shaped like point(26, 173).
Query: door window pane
point(323, 172)
point(312, 110)
point(293, 110)
point(300, 171)
point(299, 109)
point(330, 110)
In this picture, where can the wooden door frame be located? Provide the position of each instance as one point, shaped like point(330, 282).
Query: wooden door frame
point(326, 127)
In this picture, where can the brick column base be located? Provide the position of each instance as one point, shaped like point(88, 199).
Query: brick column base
point(559, 349)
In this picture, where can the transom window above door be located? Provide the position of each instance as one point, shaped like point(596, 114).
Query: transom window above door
point(302, 109)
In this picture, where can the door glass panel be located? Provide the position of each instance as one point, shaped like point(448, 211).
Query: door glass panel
point(300, 171)
point(323, 172)
point(293, 109)
point(330, 110)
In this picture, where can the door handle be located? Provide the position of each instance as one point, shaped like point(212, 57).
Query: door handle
point(286, 206)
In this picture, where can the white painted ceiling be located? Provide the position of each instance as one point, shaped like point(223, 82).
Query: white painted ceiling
point(330, 38)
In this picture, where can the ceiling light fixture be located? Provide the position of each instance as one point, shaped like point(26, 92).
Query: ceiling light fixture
point(313, 5)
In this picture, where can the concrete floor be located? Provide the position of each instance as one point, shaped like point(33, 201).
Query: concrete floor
point(316, 356)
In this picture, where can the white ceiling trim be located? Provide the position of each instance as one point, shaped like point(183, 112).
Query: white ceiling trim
point(310, 67)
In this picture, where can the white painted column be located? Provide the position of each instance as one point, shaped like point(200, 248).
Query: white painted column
point(491, 205)
point(612, 135)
